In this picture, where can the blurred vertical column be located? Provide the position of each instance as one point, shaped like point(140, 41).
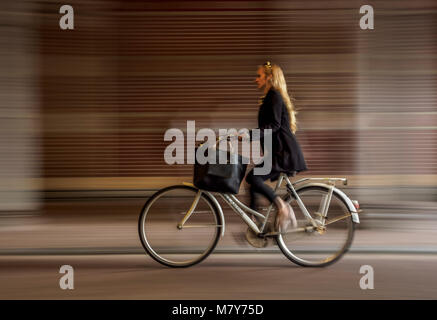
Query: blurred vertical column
point(19, 109)
point(79, 96)
point(397, 100)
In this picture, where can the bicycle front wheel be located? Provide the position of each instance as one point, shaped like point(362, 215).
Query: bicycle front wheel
point(162, 235)
point(323, 246)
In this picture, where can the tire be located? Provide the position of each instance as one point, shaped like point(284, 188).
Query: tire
point(159, 232)
point(311, 248)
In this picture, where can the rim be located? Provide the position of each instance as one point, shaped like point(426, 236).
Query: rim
point(202, 254)
point(336, 253)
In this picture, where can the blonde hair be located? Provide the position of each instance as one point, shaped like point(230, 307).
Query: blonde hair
point(277, 82)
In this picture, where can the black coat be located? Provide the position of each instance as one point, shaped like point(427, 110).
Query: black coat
point(287, 155)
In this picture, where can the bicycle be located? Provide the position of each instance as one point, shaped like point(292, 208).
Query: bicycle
point(176, 218)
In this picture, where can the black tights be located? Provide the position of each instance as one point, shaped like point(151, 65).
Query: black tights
point(257, 185)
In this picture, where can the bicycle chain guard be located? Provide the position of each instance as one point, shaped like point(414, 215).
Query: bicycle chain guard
point(254, 240)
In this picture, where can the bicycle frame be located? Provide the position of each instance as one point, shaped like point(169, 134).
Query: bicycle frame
point(242, 210)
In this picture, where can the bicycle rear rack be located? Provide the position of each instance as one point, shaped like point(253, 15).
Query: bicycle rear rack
point(328, 180)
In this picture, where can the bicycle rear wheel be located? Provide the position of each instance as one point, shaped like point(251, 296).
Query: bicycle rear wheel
point(175, 246)
point(318, 248)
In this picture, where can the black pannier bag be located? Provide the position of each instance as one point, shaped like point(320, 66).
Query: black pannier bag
point(225, 178)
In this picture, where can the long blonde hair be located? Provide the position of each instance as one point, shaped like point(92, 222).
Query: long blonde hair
point(277, 82)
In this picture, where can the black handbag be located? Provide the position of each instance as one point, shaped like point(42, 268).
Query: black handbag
point(218, 177)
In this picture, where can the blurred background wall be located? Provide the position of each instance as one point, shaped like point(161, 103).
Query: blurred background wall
point(86, 109)
point(20, 101)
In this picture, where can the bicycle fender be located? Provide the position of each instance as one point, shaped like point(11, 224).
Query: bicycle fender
point(341, 194)
point(214, 200)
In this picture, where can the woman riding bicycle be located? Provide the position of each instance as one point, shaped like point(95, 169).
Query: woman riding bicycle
point(278, 114)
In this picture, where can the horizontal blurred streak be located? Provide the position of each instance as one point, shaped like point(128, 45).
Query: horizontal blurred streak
point(134, 69)
point(19, 108)
point(96, 101)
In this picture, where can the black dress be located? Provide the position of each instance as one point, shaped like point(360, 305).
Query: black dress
point(287, 155)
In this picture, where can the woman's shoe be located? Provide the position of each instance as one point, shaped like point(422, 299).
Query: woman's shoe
point(292, 217)
point(284, 218)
